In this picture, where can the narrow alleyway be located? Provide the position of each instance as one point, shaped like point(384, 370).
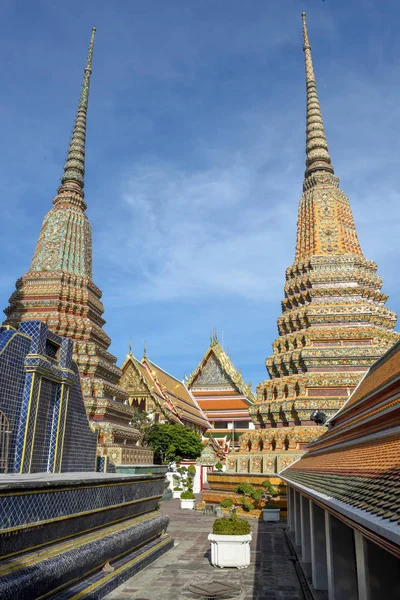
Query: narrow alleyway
point(271, 575)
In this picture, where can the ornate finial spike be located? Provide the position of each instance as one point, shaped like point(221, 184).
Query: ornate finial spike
point(305, 32)
point(144, 350)
point(317, 154)
point(130, 346)
point(74, 169)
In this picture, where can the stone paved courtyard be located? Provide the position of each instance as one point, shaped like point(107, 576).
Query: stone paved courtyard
point(271, 575)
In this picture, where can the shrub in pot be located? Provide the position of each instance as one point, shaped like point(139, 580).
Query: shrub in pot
point(271, 512)
point(218, 467)
point(188, 499)
point(230, 542)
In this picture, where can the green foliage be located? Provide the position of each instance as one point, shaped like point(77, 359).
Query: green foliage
point(192, 470)
point(246, 489)
point(231, 526)
point(247, 505)
point(269, 488)
point(173, 442)
point(218, 467)
point(187, 495)
point(226, 503)
point(177, 489)
point(257, 496)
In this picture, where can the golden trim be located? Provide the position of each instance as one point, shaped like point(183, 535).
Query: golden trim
point(27, 423)
point(98, 567)
point(86, 487)
point(64, 427)
point(34, 425)
point(78, 533)
point(58, 427)
point(121, 568)
point(12, 337)
point(81, 514)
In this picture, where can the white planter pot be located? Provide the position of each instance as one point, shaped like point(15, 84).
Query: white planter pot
point(230, 550)
point(271, 514)
point(176, 495)
point(188, 504)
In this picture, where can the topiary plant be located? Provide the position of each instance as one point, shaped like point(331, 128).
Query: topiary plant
point(187, 495)
point(192, 470)
point(218, 467)
point(257, 496)
point(247, 505)
point(226, 503)
point(269, 493)
point(231, 526)
point(246, 489)
point(177, 489)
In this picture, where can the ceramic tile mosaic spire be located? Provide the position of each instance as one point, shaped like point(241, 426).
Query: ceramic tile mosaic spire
point(74, 169)
point(316, 145)
point(325, 223)
point(59, 290)
point(334, 323)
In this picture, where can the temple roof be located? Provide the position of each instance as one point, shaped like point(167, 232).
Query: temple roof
point(170, 394)
point(177, 393)
point(216, 370)
point(355, 465)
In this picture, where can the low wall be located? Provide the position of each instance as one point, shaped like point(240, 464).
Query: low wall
point(140, 469)
point(79, 523)
point(223, 486)
point(126, 455)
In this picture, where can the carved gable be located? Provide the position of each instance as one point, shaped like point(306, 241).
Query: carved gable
point(212, 374)
point(132, 380)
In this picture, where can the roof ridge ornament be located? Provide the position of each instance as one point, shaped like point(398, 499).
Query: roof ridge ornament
point(74, 168)
point(317, 154)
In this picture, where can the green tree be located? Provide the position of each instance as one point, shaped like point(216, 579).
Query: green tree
point(173, 442)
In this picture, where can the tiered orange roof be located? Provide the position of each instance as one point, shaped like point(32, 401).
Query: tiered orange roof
point(222, 393)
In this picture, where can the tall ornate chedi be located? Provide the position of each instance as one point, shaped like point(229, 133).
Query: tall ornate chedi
point(59, 290)
point(334, 322)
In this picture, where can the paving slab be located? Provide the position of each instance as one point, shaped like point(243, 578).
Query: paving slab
point(270, 576)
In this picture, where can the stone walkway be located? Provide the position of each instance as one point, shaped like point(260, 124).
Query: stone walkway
point(271, 575)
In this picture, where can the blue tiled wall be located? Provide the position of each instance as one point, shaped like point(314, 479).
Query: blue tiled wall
point(40, 395)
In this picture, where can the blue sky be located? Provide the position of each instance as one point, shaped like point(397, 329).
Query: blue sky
point(195, 154)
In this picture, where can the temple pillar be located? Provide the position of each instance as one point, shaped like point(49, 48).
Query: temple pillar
point(341, 560)
point(362, 566)
point(318, 547)
point(291, 523)
point(305, 532)
point(297, 519)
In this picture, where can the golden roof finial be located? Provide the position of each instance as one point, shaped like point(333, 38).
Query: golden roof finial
point(144, 350)
point(317, 154)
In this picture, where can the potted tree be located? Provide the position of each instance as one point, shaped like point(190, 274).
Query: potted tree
point(230, 542)
point(188, 499)
point(177, 490)
point(271, 512)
